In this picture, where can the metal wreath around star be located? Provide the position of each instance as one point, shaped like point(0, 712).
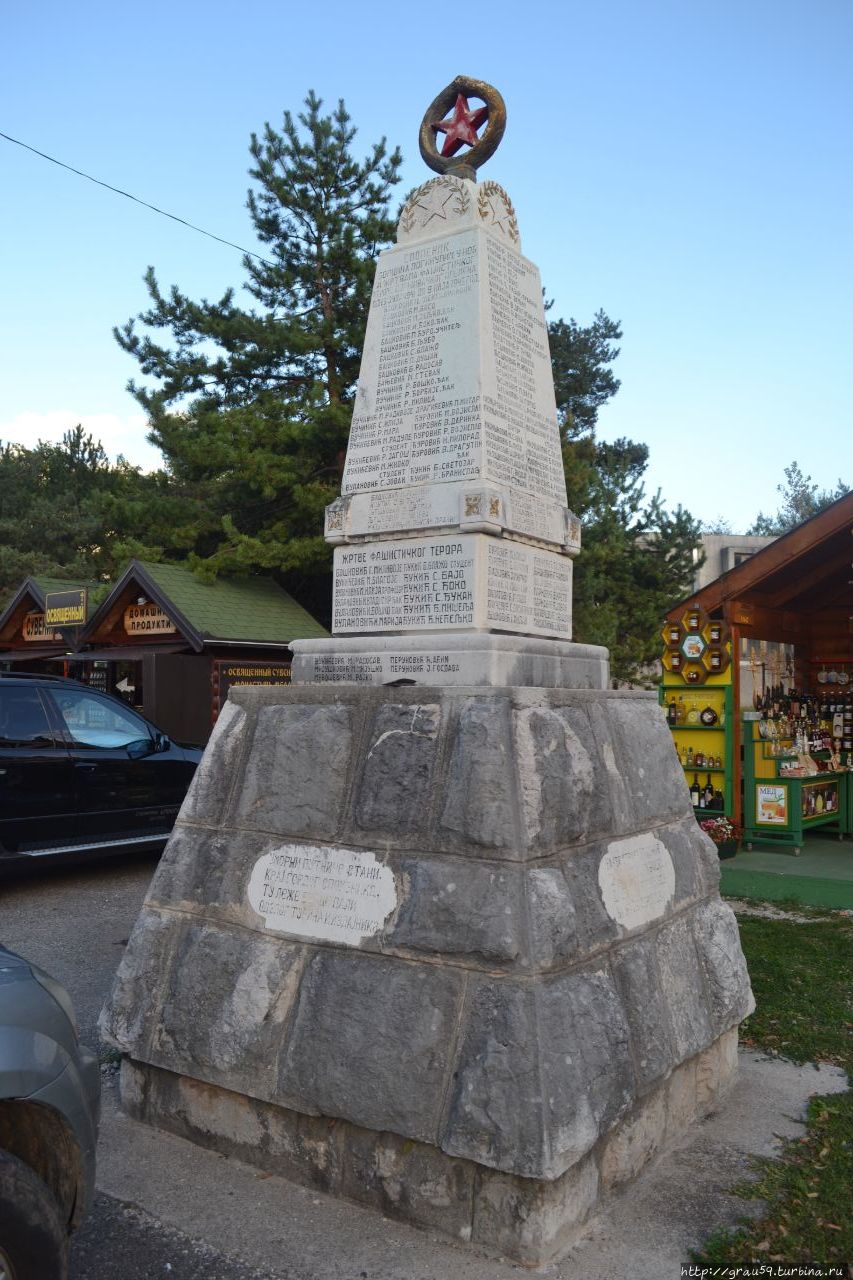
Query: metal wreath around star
point(460, 127)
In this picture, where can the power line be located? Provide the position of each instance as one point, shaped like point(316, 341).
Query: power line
point(118, 191)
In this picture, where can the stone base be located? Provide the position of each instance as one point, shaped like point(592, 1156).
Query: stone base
point(528, 1219)
point(456, 953)
point(442, 659)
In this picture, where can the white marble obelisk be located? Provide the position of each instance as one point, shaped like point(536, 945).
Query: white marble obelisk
point(453, 536)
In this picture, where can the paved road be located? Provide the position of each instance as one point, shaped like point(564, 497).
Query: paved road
point(74, 923)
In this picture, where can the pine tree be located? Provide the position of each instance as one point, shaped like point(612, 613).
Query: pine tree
point(801, 499)
point(251, 407)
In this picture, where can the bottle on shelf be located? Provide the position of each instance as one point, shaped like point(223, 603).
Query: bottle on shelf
point(689, 757)
point(694, 791)
point(709, 792)
point(671, 713)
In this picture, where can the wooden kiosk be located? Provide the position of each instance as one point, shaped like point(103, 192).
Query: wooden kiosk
point(796, 592)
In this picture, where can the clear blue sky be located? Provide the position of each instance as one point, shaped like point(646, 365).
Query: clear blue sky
point(686, 166)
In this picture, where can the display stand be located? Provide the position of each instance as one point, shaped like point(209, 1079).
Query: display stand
point(697, 695)
point(779, 808)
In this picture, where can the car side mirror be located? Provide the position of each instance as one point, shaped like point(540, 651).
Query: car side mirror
point(140, 748)
point(163, 742)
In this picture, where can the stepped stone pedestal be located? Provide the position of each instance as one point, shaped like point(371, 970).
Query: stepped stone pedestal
point(436, 930)
point(455, 954)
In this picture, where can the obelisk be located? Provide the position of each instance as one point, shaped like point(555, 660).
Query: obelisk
point(437, 931)
point(454, 542)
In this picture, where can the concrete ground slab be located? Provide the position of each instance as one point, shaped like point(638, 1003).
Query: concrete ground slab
point(286, 1231)
point(821, 876)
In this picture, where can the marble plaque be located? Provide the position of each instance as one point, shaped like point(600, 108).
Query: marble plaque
point(451, 582)
point(337, 895)
point(436, 506)
point(637, 880)
point(456, 379)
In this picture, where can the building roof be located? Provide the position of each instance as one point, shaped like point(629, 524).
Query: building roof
point(35, 588)
point(234, 610)
point(807, 569)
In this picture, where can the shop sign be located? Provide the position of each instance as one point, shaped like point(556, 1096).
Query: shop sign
point(65, 608)
point(771, 805)
point(147, 620)
point(35, 628)
point(228, 674)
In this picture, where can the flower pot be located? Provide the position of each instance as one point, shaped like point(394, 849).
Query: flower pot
point(727, 849)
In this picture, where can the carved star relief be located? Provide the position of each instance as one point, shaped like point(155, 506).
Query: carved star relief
point(434, 204)
point(461, 127)
point(501, 217)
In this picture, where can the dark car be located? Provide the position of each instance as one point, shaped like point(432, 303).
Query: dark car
point(50, 1097)
point(82, 773)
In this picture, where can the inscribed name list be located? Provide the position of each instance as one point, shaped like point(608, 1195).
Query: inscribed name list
point(448, 583)
point(337, 895)
point(455, 379)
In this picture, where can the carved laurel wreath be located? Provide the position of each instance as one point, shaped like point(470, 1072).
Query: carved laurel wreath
point(490, 188)
point(461, 204)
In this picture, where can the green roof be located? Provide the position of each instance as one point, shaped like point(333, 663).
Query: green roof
point(250, 609)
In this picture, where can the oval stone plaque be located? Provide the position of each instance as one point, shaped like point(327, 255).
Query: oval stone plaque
point(637, 880)
point(337, 895)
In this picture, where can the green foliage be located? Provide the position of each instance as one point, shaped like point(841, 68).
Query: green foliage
point(251, 408)
point(580, 355)
point(800, 976)
point(67, 511)
point(801, 499)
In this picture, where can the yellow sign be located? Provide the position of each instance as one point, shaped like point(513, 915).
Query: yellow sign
point(147, 620)
point(65, 608)
point(35, 628)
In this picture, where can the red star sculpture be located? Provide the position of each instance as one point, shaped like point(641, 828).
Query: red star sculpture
point(462, 126)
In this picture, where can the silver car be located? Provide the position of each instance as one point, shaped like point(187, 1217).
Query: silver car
point(50, 1092)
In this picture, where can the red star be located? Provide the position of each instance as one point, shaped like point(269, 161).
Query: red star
point(462, 126)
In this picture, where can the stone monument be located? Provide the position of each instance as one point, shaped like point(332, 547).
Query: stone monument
point(437, 930)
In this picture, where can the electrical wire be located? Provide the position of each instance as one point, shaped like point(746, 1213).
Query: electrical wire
point(118, 191)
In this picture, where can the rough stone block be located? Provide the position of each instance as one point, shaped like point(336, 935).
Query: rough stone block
point(213, 779)
point(552, 921)
point(480, 811)
point(541, 1073)
point(683, 841)
point(296, 773)
point(556, 777)
point(529, 1219)
point(459, 908)
point(718, 941)
point(683, 989)
point(595, 928)
point(716, 1071)
point(392, 1018)
point(638, 980)
point(681, 1105)
point(225, 1007)
point(496, 1112)
point(635, 1142)
point(410, 1180)
point(613, 808)
point(581, 1012)
point(393, 791)
point(128, 1018)
point(645, 754)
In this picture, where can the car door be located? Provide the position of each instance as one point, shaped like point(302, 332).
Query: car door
point(113, 752)
point(37, 802)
